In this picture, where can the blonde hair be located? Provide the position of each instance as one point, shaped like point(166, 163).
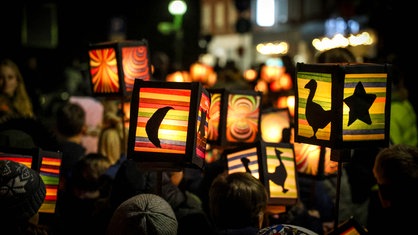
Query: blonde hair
point(20, 100)
point(112, 139)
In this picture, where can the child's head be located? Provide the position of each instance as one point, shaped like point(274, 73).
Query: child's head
point(70, 120)
point(237, 200)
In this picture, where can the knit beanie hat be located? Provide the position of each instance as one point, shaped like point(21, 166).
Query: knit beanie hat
point(22, 191)
point(143, 214)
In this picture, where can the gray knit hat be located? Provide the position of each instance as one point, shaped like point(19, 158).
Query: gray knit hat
point(22, 191)
point(143, 214)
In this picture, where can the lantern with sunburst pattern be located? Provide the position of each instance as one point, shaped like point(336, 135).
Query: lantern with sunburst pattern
point(114, 66)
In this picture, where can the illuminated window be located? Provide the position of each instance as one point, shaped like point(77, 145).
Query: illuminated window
point(265, 13)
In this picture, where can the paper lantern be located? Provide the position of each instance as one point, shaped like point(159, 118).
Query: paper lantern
point(46, 163)
point(49, 171)
point(235, 116)
point(114, 66)
point(168, 124)
point(272, 163)
point(26, 156)
point(216, 113)
point(343, 105)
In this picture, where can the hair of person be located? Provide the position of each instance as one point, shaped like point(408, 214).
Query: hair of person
point(21, 100)
point(336, 55)
point(70, 119)
point(88, 170)
point(397, 163)
point(397, 169)
point(237, 200)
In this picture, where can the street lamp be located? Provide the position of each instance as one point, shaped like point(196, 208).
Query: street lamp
point(177, 9)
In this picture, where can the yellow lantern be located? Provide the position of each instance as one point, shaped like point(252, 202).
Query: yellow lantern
point(343, 105)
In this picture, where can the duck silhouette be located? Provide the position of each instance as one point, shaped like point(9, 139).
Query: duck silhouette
point(279, 176)
point(245, 161)
point(316, 116)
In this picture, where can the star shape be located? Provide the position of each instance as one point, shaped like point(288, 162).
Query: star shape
point(359, 104)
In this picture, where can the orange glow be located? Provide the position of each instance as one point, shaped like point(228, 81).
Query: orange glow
point(286, 81)
point(179, 76)
point(200, 72)
point(287, 102)
point(250, 74)
point(271, 73)
point(261, 86)
point(272, 125)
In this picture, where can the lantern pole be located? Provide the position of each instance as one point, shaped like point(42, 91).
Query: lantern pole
point(339, 155)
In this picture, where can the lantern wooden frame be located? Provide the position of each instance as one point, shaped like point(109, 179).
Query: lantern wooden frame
point(168, 124)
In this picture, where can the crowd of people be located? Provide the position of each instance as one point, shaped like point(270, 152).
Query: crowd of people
point(105, 192)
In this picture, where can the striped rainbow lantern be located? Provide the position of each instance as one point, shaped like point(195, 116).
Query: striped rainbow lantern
point(168, 124)
point(272, 163)
point(114, 66)
point(46, 163)
point(343, 105)
point(50, 173)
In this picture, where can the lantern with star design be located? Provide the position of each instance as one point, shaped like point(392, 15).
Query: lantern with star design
point(341, 105)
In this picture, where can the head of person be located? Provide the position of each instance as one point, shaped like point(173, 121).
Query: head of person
point(143, 214)
point(396, 173)
point(13, 86)
point(336, 55)
point(22, 192)
point(237, 200)
point(88, 175)
point(70, 120)
point(10, 77)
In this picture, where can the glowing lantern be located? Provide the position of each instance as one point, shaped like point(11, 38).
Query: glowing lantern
point(168, 124)
point(343, 105)
point(114, 66)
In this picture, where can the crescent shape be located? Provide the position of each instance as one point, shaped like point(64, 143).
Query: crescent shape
point(153, 125)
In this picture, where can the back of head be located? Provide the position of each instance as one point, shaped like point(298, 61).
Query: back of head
point(336, 55)
point(237, 200)
point(88, 171)
point(396, 172)
point(22, 192)
point(143, 214)
point(70, 119)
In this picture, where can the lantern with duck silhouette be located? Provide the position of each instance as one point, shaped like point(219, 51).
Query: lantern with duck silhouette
point(168, 124)
point(343, 105)
point(272, 163)
point(236, 117)
point(114, 66)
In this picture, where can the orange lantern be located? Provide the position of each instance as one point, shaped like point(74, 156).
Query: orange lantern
point(114, 66)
